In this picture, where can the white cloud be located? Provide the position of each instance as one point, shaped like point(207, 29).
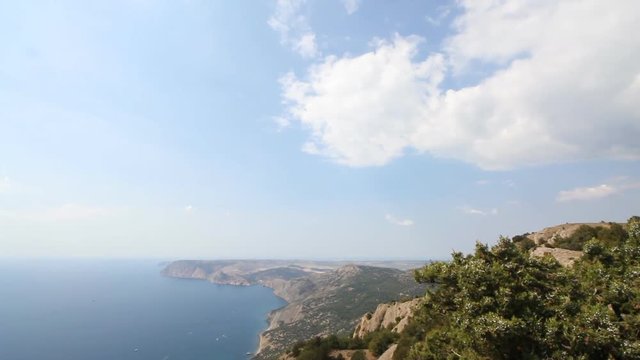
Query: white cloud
point(351, 5)
point(400, 222)
point(586, 193)
point(293, 27)
point(483, 212)
point(362, 110)
point(567, 88)
point(188, 209)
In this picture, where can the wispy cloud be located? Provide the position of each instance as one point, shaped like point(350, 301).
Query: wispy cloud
point(615, 186)
point(586, 193)
point(293, 27)
point(351, 5)
point(442, 14)
point(475, 211)
point(188, 209)
point(396, 221)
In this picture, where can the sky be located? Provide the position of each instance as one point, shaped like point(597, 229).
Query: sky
point(312, 129)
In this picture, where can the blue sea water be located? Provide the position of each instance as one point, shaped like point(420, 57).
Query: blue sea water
point(121, 310)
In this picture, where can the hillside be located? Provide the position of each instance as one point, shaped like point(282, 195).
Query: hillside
point(550, 234)
point(335, 304)
point(511, 301)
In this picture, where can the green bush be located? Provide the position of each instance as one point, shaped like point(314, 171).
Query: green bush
point(502, 303)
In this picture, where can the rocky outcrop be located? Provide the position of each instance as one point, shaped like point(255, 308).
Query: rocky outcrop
point(563, 256)
point(395, 315)
point(550, 234)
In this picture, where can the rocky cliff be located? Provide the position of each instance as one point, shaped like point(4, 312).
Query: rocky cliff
point(395, 315)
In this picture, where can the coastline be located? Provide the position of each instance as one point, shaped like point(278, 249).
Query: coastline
point(263, 341)
point(309, 291)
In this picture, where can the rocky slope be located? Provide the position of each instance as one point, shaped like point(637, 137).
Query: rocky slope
point(395, 314)
point(549, 234)
point(563, 256)
point(335, 304)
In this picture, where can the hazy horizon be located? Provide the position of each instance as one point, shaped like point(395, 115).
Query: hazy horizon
point(307, 129)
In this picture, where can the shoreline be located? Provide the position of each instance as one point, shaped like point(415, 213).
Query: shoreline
point(262, 339)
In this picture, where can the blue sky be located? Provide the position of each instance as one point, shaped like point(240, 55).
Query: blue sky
point(311, 129)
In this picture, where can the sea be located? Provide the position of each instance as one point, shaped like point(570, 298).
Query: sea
point(124, 310)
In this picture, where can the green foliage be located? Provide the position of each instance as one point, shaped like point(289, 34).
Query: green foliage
point(319, 348)
point(358, 355)
point(379, 341)
point(501, 303)
point(524, 242)
point(577, 240)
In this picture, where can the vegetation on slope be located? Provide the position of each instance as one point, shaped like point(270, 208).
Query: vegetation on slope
point(502, 303)
point(338, 302)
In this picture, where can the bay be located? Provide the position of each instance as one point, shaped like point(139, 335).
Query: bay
point(80, 309)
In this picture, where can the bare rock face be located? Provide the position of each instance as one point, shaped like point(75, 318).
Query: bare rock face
point(395, 314)
point(565, 257)
point(388, 355)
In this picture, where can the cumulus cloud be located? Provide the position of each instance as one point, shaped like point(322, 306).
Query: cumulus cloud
point(362, 110)
point(293, 27)
point(351, 5)
point(400, 222)
point(566, 88)
point(474, 211)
